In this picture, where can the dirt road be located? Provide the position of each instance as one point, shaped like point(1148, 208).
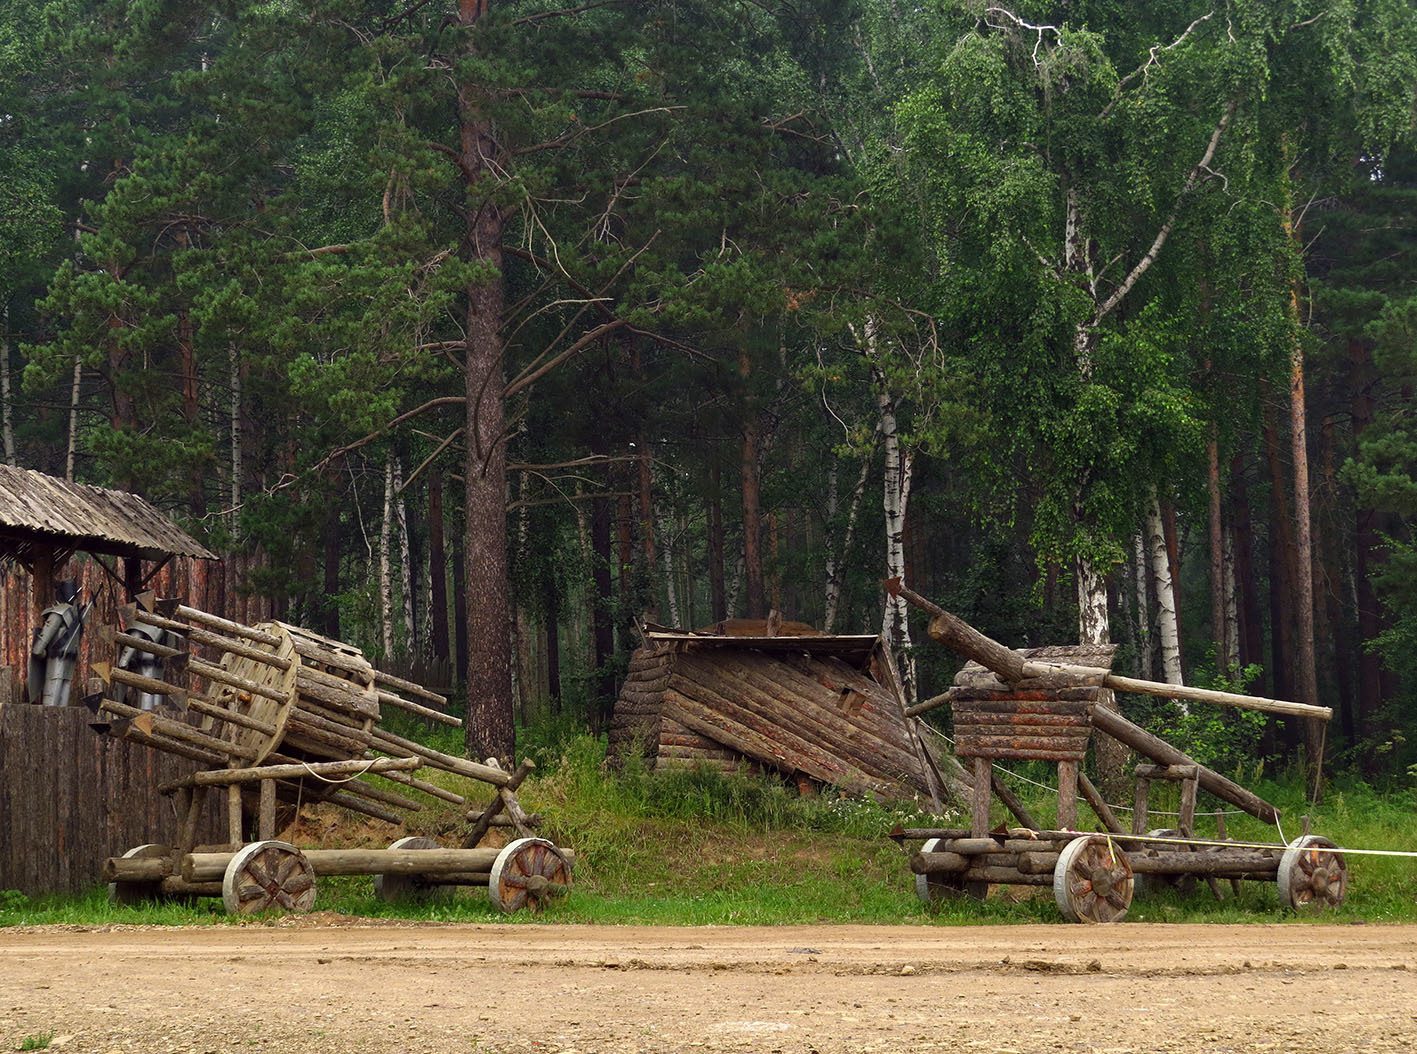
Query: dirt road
point(303, 986)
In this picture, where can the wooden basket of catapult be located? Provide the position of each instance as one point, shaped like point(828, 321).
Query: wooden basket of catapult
point(279, 717)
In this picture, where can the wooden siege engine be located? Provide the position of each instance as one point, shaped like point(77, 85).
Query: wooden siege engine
point(279, 717)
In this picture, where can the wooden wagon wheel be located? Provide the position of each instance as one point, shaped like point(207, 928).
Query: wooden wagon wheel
point(268, 875)
point(1312, 875)
point(1093, 881)
point(931, 889)
point(410, 887)
point(526, 873)
point(127, 893)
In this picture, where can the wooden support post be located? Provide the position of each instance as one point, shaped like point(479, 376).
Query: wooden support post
point(1139, 805)
point(1011, 801)
point(498, 803)
point(1222, 836)
point(189, 807)
point(266, 823)
point(234, 832)
point(1189, 785)
point(1099, 805)
point(983, 786)
point(1067, 794)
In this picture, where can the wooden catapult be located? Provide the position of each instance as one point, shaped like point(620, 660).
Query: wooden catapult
point(279, 717)
point(1042, 704)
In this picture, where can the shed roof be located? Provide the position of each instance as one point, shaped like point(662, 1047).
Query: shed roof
point(36, 509)
point(855, 649)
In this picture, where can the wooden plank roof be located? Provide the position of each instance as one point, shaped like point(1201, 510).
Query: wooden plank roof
point(855, 649)
point(36, 509)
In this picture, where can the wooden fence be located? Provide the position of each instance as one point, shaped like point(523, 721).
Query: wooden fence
point(70, 797)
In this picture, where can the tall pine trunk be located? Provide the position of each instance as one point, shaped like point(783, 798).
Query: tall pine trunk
point(6, 404)
point(386, 578)
point(1219, 624)
point(490, 729)
point(437, 569)
point(410, 627)
point(1308, 678)
point(718, 597)
point(752, 511)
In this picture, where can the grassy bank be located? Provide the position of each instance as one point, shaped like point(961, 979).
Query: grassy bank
point(695, 847)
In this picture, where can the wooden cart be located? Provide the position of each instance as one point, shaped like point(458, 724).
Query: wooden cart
point(1042, 704)
point(284, 718)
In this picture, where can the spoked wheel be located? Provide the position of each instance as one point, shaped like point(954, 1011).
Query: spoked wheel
point(136, 892)
point(1093, 881)
point(527, 873)
point(1312, 876)
point(266, 876)
point(945, 885)
point(410, 887)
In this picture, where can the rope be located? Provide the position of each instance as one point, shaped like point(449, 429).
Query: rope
point(1205, 842)
point(1194, 841)
point(346, 779)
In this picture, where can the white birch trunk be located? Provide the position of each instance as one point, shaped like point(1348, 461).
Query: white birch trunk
point(735, 587)
point(386, 585)
point(1140, 573)
point(836, 560)
point(74, 419)
point(895, 498)
point(1232, 605)
point(666, 552)
point(410, 637)
point(6, 409)
point(1167, 628)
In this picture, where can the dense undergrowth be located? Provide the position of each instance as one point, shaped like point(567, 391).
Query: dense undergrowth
point(697, 847)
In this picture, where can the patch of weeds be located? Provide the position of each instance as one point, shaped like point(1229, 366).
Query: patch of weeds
point(40, 1041)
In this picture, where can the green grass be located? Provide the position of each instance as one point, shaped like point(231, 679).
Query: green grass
point(39, 1042)
point(695, 847)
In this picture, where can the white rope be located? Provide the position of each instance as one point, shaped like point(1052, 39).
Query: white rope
point(1149, 839)
point(347, 779)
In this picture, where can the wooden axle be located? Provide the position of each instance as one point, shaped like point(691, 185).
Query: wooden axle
point(207, 867)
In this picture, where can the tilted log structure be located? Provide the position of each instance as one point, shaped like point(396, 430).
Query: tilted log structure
point(824, 709)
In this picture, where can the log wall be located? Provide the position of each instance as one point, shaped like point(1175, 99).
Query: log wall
point(70, 798)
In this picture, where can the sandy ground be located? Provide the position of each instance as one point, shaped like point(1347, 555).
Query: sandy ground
point(325, 985)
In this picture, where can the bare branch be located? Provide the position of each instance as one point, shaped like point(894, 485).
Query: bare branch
point(431, 404)
point(571, 137)
point(1040, 30)
point(543, 15)
point(1144, 264)
point(432, 457)
point(1152, 59)
point(526, 379)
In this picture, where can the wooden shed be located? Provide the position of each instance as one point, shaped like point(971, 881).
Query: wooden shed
point(68, 797)
point(823, 710)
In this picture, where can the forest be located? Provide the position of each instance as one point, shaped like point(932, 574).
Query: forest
point(477, 331)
